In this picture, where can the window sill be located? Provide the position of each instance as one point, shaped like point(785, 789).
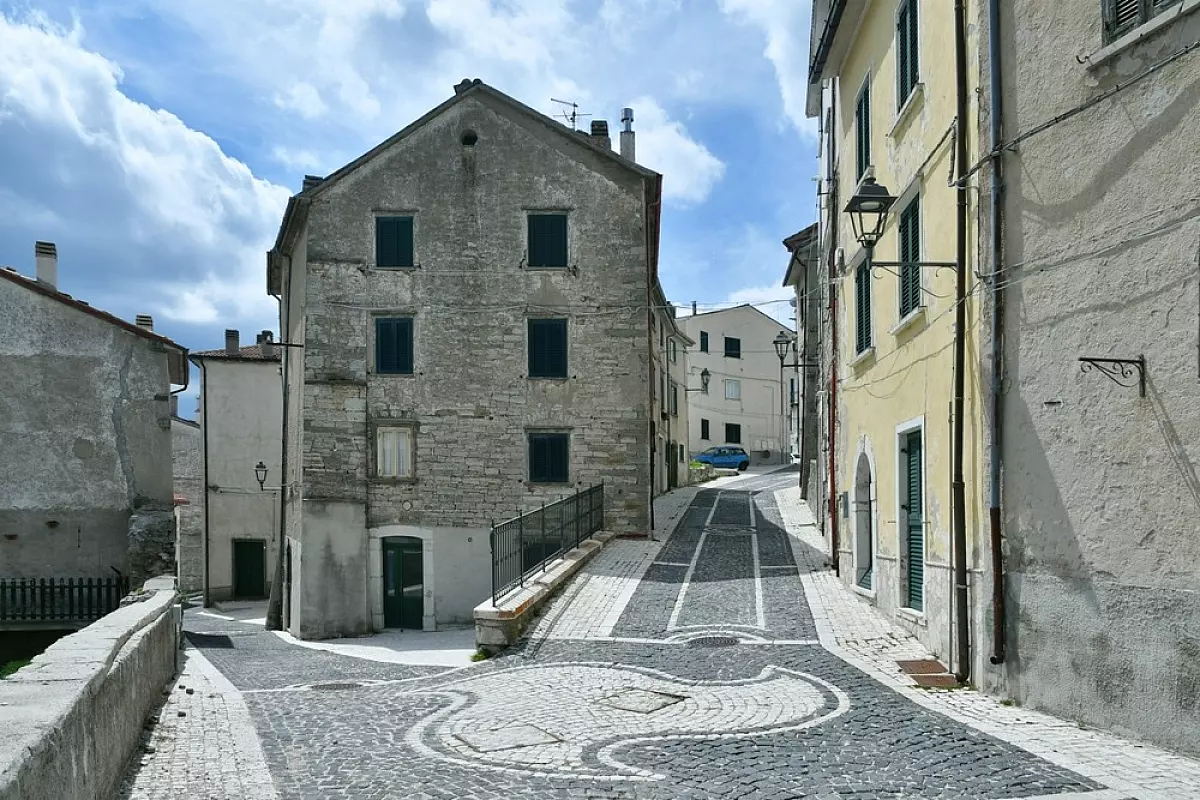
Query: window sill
point(555, 378)
point(392, 481)
point(867, 593)
point(1142, 32)
point(560, 268)
point(912, 615)
point(393, 374)
point(915, 98)
point(547, 484)
point(909, 321)
point(863, 357)
point(395, 269)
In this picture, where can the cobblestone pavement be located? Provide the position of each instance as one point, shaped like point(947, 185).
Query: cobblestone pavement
point(725, 661)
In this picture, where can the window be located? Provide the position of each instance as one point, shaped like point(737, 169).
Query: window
point(733, 347)
point(862, 308)
point(394, 242)
point(733, 389)
point(673, 351)
point(862, 131)
point(662, 334)
point(733, 433)
point(682, 457)
point(906, 51)
point(792, 391)
point(704, 429)
point(394, 345)
point(674, 399)
point(653, 383)
point(910, 252)
point(703, 341)
point(547, 348)
point(393, 452)
point(549, 458)
point(547, 240)
point(1122, 16)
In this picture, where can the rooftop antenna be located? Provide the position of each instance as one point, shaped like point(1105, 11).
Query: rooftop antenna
point(570, 111)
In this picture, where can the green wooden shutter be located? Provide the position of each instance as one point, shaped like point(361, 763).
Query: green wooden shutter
point(862, 120)
point(394, 241)
point(862, 308)
point(547, 348)
point(559, 458)
point(547, 240)
point(910, 252)
point(916, 526)
point(393, 345)
point(907, 55)
point(539, 457)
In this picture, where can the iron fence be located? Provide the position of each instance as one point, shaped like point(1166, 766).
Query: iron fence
point(60, 599)
point(526, 544)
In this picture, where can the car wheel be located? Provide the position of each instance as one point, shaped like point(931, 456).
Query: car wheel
point(742, 466)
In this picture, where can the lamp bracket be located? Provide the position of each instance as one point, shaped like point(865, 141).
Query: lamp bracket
point(1119, 370)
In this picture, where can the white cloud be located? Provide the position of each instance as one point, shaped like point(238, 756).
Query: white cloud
point(304, 99)
point(784, 24)
point(690, 170)
point(770, 299)
point(298, 159)
point(140, 193)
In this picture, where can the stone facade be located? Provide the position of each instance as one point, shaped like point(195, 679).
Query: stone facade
point(188, 484)
point(85, 441)
point(669, 406)
point(804, 275)
point(468, 173)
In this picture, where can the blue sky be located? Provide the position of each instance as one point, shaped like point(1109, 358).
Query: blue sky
point(157, 141)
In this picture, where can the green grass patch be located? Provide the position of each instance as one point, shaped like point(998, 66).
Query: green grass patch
point(479, 655)
point(10, 667)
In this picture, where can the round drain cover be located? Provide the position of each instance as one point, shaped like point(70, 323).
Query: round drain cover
point(335, 686)
point(714, 641)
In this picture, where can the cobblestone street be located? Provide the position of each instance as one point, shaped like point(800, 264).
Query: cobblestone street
point(726, 661)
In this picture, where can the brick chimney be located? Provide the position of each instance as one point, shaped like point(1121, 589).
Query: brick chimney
point(627, 143)
point(144, 321)
point(266, 344)
point(310, 181)
point(45, 256)
point(232, 347)
point(600, 133)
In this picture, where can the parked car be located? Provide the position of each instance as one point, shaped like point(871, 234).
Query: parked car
point(725, 458)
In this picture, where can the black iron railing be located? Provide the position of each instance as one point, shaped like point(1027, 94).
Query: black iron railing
point(60, 599)
point(528, 543)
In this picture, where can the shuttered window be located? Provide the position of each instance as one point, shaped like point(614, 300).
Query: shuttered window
point(907, 58)
point(394, 345)
point(394, 242)
point(910, 253)
point(547, 240)
point(549, 457)
point(704, 429)
point(1122, 16)
point(862, 132)
point(862, 308)
point(914, 495)
point(547, 348)
point(733, 433)
point(703, 341)
point(733, 347)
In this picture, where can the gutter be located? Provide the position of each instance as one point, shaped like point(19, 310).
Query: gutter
point(207, 601)
point(826, 41)
point(958, 491)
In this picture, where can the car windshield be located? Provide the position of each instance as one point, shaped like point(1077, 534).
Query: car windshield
point(712, 451)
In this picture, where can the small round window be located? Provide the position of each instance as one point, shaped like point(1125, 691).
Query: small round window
point(469, 138)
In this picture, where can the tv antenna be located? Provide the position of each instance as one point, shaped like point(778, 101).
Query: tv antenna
point(570, 111)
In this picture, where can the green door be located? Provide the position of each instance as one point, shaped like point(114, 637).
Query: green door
point(916, 524)
point(403, 583)
point(249, 569)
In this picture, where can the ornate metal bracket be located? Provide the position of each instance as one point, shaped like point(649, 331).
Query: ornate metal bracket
point(1119, 370)
point(893, 267)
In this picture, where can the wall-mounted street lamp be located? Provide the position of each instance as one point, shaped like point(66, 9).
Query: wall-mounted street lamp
point(868, 210)
point(260, 472)
point(705, 377)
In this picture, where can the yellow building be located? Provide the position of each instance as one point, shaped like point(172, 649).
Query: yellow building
point(883, 81)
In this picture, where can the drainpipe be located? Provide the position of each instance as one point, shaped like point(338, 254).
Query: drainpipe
point(995, 454)
point(834, 543)
point(275, 601)
point(963, 668)
point(204, 443)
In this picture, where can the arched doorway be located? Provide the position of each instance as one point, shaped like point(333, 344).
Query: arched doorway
point(403, 582)
point(864, 523)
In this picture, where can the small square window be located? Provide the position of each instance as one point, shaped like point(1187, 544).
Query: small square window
point(394, 242)
point(547, 240)
point(393, 452)
point(549, 458)
point(394, 345)
point(733, 433)
point(733, 347)
point(674, 399)
point(704, 429)
point(733, 389)
point(547, 348)
point(682, 458)
point(673, 351)
point(703, 341)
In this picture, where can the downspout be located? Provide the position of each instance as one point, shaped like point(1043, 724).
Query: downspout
point(207, 601)
point(834, 543)
point(653, 197)
point(275, 602)
point(958, 494)
point(995, 452)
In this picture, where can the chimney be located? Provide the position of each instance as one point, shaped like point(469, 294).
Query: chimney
point(144, 321)
point(627, 147)
point(266, 344)
point(174, 405)
point(310, 181)
point(232, 347)
point(693, 308)
point(45, 256)
point(600, 133)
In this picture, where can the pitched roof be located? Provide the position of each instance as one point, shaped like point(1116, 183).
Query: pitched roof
point(251, 352)
point(735, 308)
point(797, 244)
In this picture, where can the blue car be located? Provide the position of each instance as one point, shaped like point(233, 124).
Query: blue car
point(725, 458)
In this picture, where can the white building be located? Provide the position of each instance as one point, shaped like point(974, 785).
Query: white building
point(241, 416)
point(746, 404)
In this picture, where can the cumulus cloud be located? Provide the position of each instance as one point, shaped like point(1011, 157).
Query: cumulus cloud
point(770, 299)
point(689, 169)
point(125, 189)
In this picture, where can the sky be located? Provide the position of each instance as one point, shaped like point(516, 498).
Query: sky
point(156, 142)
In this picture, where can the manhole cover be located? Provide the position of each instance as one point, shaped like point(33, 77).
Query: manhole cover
point(714, 641)
point(331, 687)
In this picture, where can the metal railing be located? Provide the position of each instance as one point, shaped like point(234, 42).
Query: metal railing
point(60, 599)
point(528, 543)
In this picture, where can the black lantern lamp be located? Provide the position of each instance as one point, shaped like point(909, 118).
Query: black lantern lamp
point(260, 472)
point(782, 343)
point(705, 377)
point(868, 210)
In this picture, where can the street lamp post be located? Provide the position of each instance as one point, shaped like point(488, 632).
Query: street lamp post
point(783, 343)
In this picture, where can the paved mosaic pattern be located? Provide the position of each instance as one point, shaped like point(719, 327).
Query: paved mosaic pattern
point(690, 668)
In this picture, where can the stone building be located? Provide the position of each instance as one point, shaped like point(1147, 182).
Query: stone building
point(742, 404)
point(85, 434)
point(187, 469)
point(1099, 225)
point(805, 276)
point(669, 408)
point(466, 310)
point(241, 418)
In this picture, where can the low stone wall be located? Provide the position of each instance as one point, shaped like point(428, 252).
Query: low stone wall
point(701, 474)
point(74, 716)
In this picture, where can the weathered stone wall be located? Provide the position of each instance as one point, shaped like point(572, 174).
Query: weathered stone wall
point(84, 437)
point(75, 714)
point(1101, 493)
point(188, 482)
